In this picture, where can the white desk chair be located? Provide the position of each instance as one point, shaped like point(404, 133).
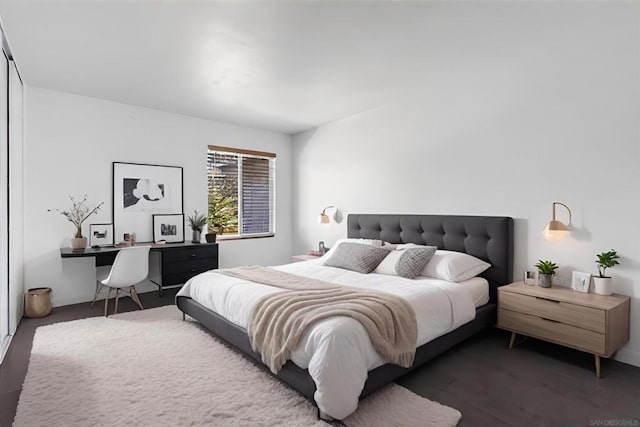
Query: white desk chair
point(130, 267)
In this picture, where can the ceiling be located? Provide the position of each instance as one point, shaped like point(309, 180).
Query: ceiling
point(282, 66)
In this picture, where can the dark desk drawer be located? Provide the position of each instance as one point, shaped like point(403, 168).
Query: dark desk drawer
point(175, 265)
point(190, 266)
point(105, 258)
point(191, 253)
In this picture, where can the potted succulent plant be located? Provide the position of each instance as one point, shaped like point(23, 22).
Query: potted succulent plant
point(603, 284)
point(546, 270)
point(78, 214)
point(196, 222)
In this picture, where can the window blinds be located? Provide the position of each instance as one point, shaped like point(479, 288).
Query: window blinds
point(256, 195)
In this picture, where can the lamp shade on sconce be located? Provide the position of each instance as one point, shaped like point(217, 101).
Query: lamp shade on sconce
point(556, 230)
point(323, 218)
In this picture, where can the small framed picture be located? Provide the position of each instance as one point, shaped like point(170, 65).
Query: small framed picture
point(580, 281)
point(168, 228)
point(101, 235)
point(530, 277)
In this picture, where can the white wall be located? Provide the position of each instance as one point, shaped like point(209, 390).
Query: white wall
point(71, 144)
point(522, 106)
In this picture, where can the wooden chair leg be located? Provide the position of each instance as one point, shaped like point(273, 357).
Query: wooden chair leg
point(135, 297)
point(99, 287)
point(106, 301)
point(115, 310)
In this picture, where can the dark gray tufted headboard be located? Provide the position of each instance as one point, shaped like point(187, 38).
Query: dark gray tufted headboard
point(489, 238)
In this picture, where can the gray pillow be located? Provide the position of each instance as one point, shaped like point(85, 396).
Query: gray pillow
point(413, 260)
point(407, 262)
point(357, 257)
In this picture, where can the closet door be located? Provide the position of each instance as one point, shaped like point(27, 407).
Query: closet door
point(16, 214)
point(4, 204)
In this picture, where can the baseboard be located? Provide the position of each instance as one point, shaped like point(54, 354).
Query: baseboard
point(628, 356)
point(4, 346)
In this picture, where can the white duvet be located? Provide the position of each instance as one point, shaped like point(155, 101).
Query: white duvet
point(337, 351)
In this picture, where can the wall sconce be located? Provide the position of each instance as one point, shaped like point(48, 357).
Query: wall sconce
point(556, 230)
point(323, 218)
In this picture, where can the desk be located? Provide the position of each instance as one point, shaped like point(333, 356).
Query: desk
point(169, 264)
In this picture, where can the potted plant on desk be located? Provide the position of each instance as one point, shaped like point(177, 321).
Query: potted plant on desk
point(78, 214)
point(603, 285)
point(546, 270)
point(197, 222)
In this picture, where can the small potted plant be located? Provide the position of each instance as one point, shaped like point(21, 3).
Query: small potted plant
point(78, 214)
point(603, 284)
point(546, 270)
point(196, 222)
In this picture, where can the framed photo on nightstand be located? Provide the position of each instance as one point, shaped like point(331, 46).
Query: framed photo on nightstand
point(530, 277)
point(580, 281)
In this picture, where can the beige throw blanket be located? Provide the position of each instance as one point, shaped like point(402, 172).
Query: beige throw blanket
point(278, 321)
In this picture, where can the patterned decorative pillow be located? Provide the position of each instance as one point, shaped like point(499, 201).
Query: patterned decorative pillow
point(408, 262)
point(356, 257)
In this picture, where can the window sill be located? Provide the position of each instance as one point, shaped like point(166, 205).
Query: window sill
point(222, 237)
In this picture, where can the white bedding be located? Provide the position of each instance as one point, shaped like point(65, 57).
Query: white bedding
point(478, 287)
point(337, 351)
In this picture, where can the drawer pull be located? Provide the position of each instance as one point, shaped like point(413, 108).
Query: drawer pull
point(193, 255)
point(193, 270)
point(547, 299)
point(550, 320)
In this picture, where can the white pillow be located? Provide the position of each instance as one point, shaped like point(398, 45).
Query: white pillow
point(454, 266)
point(408, 262)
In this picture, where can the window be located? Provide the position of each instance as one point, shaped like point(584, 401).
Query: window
point(241, 191)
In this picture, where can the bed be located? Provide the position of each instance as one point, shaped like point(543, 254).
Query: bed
point(486, 238)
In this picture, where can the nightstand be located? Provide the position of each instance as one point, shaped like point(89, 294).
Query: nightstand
point(300, 258)
point(596, 324)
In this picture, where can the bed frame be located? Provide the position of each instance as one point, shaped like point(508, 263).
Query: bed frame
point(485, 237)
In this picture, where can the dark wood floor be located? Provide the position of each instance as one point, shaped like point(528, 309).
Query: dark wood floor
point(535, 384)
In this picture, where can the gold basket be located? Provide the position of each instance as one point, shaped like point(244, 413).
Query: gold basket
point(37, 302)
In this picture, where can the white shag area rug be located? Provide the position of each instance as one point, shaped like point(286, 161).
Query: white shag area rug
point(150, 368)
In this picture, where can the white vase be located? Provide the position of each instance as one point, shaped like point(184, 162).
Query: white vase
point(603, 285)
point(78, 243)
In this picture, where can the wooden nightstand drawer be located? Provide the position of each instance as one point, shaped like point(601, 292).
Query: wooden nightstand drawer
point(590, 318)
point(551, 330)
point(598, 324)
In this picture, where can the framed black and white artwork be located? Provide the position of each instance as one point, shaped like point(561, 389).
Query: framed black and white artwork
point(140, 191)
point(580, 281)
point(100, 235)
point(168, 228)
